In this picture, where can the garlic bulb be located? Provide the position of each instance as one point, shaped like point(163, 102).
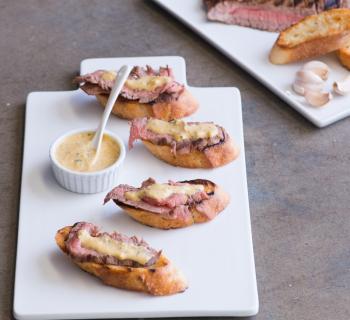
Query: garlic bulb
point(317, 67)
point(342, 87)
point(317, 98)
point(307, 80)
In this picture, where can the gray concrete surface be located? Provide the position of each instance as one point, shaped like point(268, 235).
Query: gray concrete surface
point(298, 175)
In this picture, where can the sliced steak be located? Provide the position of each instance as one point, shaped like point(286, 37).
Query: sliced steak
point(174, 206)
point(139, 130)
point(269, 15)
point(79, 253)
point(102, 81)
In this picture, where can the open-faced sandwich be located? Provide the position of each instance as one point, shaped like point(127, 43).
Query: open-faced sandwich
point(146, 93)
point(171, 205)
point(120, 261)
point(190, 145)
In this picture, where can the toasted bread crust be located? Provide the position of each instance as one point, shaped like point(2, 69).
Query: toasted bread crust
point(184, 106)
point(159, 280)
point(344, 56)
point(207, 211)
point(215, 156)
point(312, 36)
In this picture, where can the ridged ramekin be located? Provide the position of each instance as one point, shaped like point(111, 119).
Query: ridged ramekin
point(87, 182)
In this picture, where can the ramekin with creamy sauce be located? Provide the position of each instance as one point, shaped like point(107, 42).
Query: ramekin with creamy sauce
point(75, 167)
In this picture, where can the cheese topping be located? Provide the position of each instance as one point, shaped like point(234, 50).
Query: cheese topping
point(180, 130)
point(148, 83)
point(75, 152)
point(108, 246)
point(162, 191)
point(109, 75)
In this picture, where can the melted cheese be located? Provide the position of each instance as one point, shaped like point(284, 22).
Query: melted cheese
point(180, 130)
point(109, 75)
point(148, 83)
point(108, 246)
point(162, 191)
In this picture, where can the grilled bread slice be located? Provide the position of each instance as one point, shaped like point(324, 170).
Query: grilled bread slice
point(313, 36)
point(172, 205)
point(189, 145)
point(159, 279)
point(178, 108)
point(344, 56)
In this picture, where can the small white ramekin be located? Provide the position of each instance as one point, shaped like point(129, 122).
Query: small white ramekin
point(87, 182)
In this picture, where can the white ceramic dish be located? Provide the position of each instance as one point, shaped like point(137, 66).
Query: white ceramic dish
point(87, 182)
point(249, 48)
point(49, 286)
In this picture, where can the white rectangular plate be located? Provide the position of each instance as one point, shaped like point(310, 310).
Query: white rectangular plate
point(250, 48)
point(216, 257)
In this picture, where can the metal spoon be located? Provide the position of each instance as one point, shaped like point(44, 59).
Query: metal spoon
point(122, 76)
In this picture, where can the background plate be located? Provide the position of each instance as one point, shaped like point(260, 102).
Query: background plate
point(250, 48)
point(217, 257)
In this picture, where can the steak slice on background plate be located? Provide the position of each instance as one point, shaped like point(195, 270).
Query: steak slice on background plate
point(269, 15)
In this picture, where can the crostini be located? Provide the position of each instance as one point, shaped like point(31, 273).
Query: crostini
point(189, 145)
point(313, 36)
point(120, 261)
point(146, 93)
point(171, 205)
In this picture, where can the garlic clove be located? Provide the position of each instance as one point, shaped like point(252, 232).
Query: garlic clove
point(317, 98)
point(298, 88)
point(342, 87)
point(307, 80)
point(317, 67)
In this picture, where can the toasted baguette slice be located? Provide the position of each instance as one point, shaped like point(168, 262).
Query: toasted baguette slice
point(159, 279)
point(313, 36)
point(200, 212)
point(184, 106)
point(215, 156)
point(344, 56)
point(178, 148)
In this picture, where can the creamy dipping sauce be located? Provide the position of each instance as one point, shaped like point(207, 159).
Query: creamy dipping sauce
point(162, 191)
point(180, 130)
point(75, 152)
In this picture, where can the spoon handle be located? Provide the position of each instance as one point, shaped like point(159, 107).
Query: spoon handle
point(122, 75)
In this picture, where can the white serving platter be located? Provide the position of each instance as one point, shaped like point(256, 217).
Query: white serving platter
point(216, 257)
point(250, 48)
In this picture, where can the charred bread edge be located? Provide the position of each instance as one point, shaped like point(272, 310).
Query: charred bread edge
point(217, 202)
point(282, 52)
point(159, 279)
point(317, 47)
point(212, 156)
point(183, 106)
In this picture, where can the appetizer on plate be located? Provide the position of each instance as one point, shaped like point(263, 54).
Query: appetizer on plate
point(190, 145)
point(146, 93)
point(267, 15)
point(120, 261)
point(313, 36)
point(171, 205)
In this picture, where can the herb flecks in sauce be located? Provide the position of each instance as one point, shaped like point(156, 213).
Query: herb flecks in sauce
point(75, 152)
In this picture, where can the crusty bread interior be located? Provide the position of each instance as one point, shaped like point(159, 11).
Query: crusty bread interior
point(313, 36)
